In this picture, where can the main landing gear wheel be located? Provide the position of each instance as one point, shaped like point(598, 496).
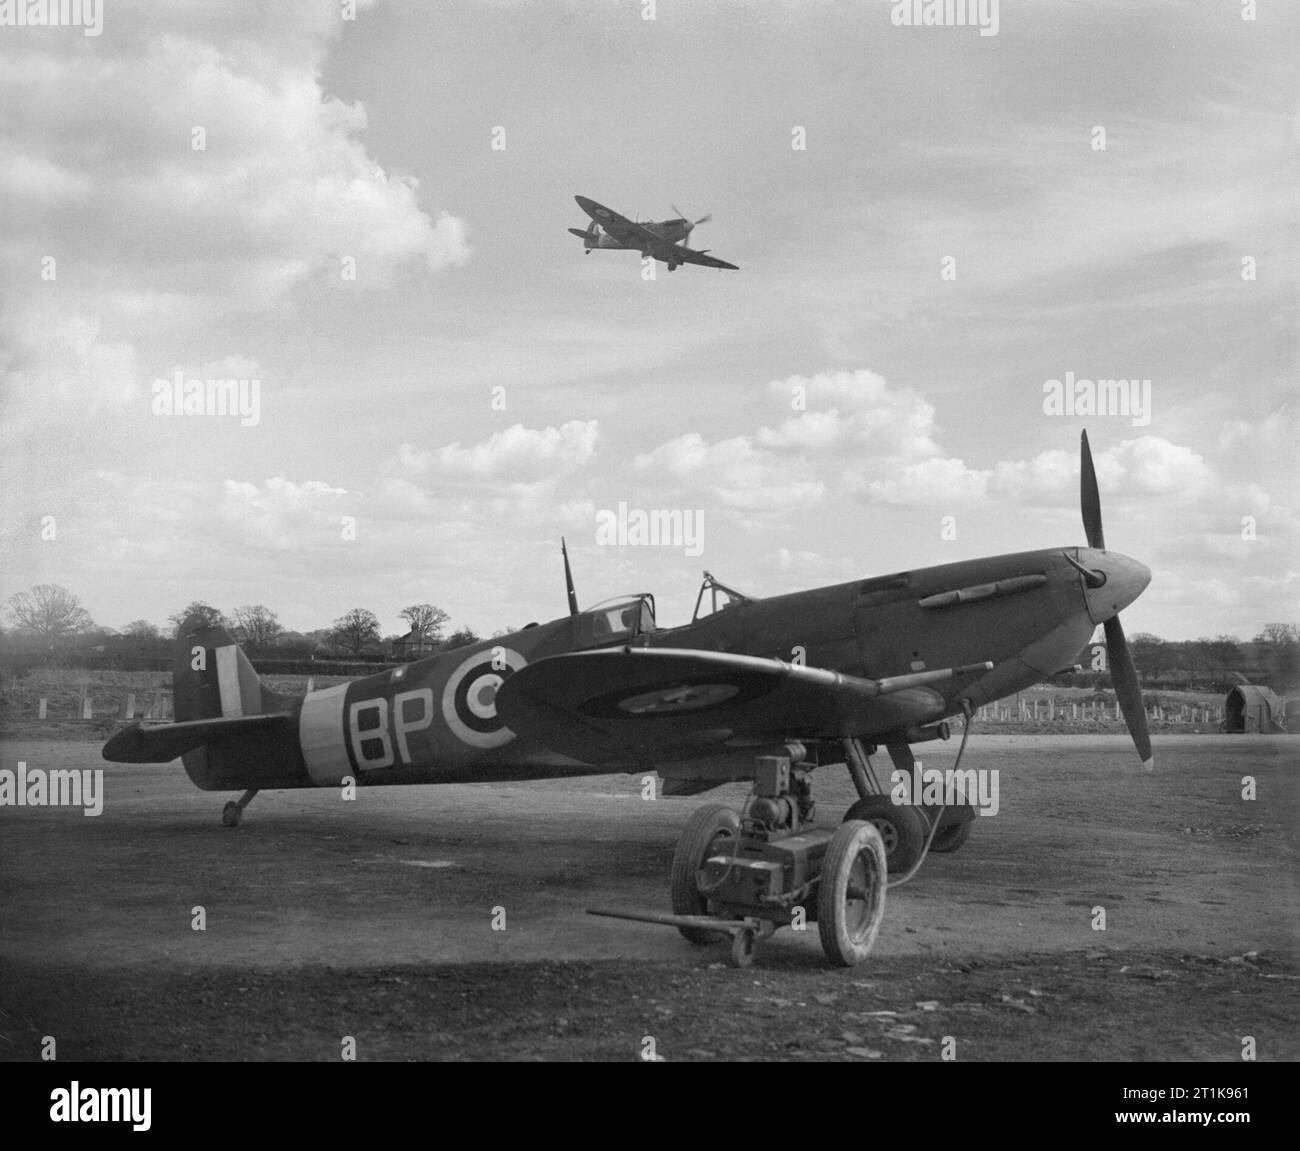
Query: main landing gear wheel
point(903, 829)
point(851, 893)
point(705, 825)
point(950, 838)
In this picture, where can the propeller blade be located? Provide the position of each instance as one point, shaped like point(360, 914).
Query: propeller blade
point(568, 579)
point(1127, 690)
point(1089, 500)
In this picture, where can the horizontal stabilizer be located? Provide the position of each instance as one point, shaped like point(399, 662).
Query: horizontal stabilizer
point(165, 742)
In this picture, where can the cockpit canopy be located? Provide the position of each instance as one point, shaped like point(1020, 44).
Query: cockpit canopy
point(625, 618)
point(715, 596)
point(616, 620)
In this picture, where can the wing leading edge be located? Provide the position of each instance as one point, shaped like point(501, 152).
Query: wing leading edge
point(625, 231)
point(665, 704)
point(690, 256)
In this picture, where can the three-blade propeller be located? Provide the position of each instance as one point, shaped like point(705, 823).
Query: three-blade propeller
point(1123, 673)
point(690, 227)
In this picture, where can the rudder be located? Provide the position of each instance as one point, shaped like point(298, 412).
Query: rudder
point(212, 677)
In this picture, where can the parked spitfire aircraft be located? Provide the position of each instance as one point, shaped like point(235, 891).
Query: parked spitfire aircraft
point(829, 673)
point(664, 240)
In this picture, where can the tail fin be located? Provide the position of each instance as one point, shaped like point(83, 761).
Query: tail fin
point(212, 678)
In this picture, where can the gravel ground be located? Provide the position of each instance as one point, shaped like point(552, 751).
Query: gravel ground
point(374, 919)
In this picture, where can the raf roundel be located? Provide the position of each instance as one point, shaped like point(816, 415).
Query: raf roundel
point(469, 698)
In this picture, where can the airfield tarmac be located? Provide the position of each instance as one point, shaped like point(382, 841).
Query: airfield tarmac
point(374, 919)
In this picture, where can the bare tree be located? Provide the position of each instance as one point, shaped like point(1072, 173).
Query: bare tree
point(425, 620)
point(258, 624)
point(1225, 654)
point(207, 615)
point(1151, 655)
point(356, 628)
point(461, 637)
point(1277, 634)
point(1282, 642)
point(50, 611)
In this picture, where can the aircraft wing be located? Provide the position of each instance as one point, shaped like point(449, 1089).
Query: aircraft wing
point(690, 256)
point(168, 741)
point(663, 704)
point(625, 231)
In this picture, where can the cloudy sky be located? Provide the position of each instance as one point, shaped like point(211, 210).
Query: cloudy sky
point(1107, 189)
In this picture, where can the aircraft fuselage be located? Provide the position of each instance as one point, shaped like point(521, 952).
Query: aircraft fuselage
point(434, 720)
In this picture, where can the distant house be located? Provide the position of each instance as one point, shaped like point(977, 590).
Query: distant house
point(413, 646)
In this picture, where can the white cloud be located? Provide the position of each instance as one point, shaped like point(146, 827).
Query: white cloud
point(853, 408)
point(517, 454)
point(937, 481)
point(800, 569)
point(734, 472)
point(1145, 467)
point(281, 188)
point(283, 515)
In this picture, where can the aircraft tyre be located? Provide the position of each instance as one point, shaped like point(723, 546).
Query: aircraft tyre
point(902, 828)
point(950, 838)
point(704, 826)
point(231, 814)
point(851, 892)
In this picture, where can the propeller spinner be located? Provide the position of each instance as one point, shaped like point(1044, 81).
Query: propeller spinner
point(690, 226)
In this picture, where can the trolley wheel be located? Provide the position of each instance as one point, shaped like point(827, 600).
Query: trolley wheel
point(851, 894)
point(705, 825)
point(744, 943)
point(903, 829)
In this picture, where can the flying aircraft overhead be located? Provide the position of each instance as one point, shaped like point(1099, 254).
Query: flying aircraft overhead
point(809, 678)
point(663, 240)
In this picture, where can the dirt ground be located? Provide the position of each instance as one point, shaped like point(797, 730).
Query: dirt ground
point(380, 919)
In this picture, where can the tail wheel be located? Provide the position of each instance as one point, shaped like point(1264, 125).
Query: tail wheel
point(950, 838)
point(851, 892)
point(903, 829)
point(706, 824)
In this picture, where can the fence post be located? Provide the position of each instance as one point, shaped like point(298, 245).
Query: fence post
point(128, 709)
point(40, 710)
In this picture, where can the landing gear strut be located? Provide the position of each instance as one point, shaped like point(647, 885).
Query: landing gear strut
point(909, 832)
point(233, 812)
